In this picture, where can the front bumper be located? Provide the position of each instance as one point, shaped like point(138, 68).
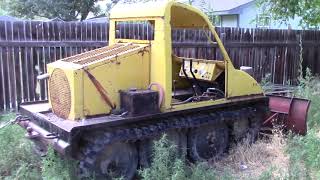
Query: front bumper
point(42, 138)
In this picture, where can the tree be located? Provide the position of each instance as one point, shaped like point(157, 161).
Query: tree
point(67, 10)
point(2, 10)
point(308, 10)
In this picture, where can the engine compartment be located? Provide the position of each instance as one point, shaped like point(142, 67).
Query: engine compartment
point(197, 80)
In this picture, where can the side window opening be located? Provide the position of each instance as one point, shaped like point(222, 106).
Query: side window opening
point(196, 77)
point(136, 30)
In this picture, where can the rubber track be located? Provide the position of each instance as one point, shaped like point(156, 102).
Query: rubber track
point(99, 140)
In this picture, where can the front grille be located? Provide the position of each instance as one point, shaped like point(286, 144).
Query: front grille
point(60, 95)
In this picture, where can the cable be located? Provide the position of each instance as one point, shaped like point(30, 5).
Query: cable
point(187, 77)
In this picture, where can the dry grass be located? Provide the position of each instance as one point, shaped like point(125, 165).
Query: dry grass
point(250, 161)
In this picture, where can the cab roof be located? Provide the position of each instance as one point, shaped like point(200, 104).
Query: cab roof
point(180, 15)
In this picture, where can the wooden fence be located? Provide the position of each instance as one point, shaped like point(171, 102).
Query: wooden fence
point(27, 46)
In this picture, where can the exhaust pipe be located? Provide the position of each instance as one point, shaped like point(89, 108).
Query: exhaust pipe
point(43, 76)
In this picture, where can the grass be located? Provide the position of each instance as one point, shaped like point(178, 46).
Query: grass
point(19, 162)
point(304, 151)
point(16, 158)
point(167, 166)
point(278, 157)
point(247, 160)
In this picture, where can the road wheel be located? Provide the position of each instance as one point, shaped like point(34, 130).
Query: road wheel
point(117, 160)
point(176, 137)
point(207, 142)
point(255, 127)
point(240, 129)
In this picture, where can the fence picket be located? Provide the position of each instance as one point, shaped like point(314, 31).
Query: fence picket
point(27, 46)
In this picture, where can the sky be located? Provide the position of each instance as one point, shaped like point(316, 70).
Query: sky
point(215, 5)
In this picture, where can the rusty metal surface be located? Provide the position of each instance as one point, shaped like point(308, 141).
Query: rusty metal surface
point(60, 94)
point(114, 120)
point(297, 118)
point(70, 131)
point(292, 111)
point(279, 104)
point(107, 54)
point(40, 135)
point(92, 53)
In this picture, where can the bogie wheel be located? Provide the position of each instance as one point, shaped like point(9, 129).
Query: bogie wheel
point(255, 126)
point(240, 129)
point(117, 160)
point(208, 142)
point(176, 137)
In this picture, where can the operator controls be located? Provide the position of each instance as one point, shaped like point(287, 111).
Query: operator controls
point(200, 69)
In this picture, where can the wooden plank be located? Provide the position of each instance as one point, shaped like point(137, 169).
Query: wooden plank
point(6, 78)
point(23, 45)
point(2, 80)
point(2, 30)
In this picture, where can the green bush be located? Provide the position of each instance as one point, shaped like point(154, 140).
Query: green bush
point(167, 166)
point(17, 161)
point(54, 165)
point(309, 88)
point(304, 150)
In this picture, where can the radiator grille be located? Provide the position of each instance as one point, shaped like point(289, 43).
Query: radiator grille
point(60, 95)
point(106, 54)
point(92, 53)
point(100, 54)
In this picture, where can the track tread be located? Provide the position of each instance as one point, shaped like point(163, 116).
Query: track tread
point(145, 131)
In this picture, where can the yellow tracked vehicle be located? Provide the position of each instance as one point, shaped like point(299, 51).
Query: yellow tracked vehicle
point(106, 106)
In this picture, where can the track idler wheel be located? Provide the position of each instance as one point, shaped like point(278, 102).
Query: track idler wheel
point(208, 142)
point(117, 160)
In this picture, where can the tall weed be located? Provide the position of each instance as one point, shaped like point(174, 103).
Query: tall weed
point(309, 88)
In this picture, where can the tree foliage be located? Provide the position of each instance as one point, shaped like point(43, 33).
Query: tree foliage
point(67, 10)
point(308, 10)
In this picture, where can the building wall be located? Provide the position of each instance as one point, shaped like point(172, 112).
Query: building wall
point(230, 20)
point(247, 17)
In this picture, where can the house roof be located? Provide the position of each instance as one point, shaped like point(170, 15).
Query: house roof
point(148, 9)
point(220, 5)
point(98, 19)
point(182, 15)
point(8, 18)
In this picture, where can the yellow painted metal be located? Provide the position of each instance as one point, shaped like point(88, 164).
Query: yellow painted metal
point(150, 61)
point(74, 76)
point(169, 15)
point(211, 102)
point(119, 72)
point(206, 70)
